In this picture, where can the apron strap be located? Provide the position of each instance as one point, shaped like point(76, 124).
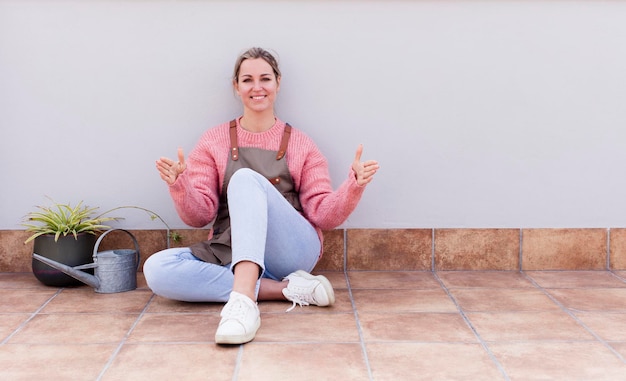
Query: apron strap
point(284, 142)
point(234, 147)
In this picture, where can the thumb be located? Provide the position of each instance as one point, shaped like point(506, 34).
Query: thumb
point(181, 156)
point(359, 152)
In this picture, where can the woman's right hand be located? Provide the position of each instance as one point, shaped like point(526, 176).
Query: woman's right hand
point(169, 169)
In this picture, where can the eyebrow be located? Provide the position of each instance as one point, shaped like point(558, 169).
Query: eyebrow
point(262, 75)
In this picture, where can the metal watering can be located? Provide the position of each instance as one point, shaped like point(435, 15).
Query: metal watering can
point(115, 270)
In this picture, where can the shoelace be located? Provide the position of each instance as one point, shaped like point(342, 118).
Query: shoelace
point(301, 299)
point(235, 310)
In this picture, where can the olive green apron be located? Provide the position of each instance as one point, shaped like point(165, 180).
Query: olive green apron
point(272, 165)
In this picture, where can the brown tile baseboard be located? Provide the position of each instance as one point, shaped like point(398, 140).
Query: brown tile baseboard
point(564, 249)
point(405, 249)
point(477, 249)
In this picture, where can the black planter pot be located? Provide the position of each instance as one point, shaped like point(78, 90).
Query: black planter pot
point(67, 250)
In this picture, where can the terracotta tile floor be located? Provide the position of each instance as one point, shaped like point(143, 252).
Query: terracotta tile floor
point(536, 325)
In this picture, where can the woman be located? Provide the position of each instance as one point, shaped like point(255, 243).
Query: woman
point(267, 235)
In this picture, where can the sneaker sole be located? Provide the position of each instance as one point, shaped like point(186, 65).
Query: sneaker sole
point(238, 339)
point(324, 282)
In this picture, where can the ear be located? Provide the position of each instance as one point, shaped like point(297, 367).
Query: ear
point(236, 86)
point(277, 83)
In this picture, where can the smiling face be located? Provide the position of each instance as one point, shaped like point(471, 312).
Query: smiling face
point(257, 85)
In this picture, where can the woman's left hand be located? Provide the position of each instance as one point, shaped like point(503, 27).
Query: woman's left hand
point(364, 170)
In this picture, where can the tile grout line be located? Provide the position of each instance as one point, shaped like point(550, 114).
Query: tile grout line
point(608, 249)
point(345, 250)
point(355, 312)
point(123, 341)
point(432, 250)
point(359, 329)
point(31, 317)
point(521, 252)
point(238, 361)
point(471, 326)
point(576, 319)
point(621, 278)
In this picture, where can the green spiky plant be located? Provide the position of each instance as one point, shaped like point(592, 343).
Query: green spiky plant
point(64, 219)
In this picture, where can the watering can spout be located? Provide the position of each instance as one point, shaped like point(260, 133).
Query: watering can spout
point(74, 272)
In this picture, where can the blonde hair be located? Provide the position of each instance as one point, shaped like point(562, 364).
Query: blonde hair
point(254, 53)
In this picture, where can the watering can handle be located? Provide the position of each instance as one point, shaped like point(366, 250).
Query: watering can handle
point(95, 248)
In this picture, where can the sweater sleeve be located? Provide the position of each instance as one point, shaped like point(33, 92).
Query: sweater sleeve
point(196, 191)
point(322, 206)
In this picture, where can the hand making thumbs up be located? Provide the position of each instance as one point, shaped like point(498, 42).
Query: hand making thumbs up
point(364, 170)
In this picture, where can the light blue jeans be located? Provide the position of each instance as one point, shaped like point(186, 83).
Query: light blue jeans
point(265, 229)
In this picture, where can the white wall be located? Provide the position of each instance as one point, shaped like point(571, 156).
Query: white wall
point(481, 113)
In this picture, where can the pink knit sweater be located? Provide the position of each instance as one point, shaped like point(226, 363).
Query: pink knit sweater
point(196, 191)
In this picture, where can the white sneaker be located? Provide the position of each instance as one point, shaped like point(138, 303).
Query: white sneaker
point(305, 289)
point(240, 320)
